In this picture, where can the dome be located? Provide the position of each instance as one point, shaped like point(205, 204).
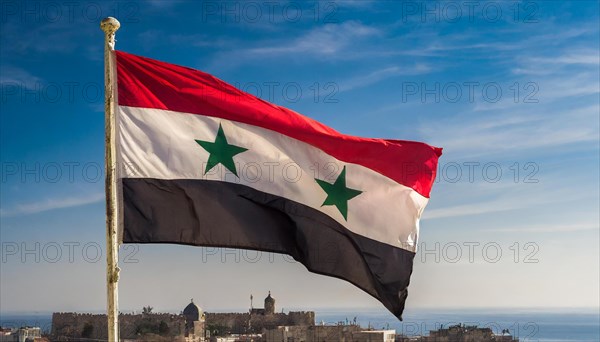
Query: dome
point(269, 299)
point(192, 312)
point(269, 305)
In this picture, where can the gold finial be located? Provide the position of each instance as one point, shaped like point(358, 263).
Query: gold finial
point(110, 25)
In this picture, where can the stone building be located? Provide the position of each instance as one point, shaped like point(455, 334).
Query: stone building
point(465, 333)
point(256, 320)
point(23, 334)
point(194, 323)
point(319, 333)
point(185, 327)
point(269, 307)
point(374, 335)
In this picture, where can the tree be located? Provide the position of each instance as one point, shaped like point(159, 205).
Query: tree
point(147, 310)
point(163, 328)
point(88, 330)
point(218, 330)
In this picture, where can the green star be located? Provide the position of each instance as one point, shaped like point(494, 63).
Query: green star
point(221, 152)
point(338, 194)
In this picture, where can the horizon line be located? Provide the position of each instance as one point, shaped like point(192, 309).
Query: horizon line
point(520, 309)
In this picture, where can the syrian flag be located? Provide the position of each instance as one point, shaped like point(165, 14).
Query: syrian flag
point(205, 164)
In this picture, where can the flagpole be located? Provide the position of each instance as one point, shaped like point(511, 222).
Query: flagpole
point(110, 25)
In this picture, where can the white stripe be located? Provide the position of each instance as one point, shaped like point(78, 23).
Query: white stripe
point(161, 144)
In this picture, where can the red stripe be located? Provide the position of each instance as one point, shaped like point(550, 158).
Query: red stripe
point(148, 83)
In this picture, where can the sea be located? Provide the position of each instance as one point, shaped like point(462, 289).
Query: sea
point(527, 325)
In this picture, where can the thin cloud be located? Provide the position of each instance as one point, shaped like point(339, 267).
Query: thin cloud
point(356, 4)
point(162, 4)
point(51, 204)
point(514, 131)
point(326, 40)
point(382, 74)
point(59, 37)
point(586, 60)
point(518, 199)
point(544, 91)
point(549, 228)
point(330, 42)
point(10, 75)
point(470, 209)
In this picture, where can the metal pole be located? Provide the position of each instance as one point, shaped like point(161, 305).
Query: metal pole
point(110, 26)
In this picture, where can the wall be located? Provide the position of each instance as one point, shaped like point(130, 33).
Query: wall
point(71, 325)
point(68, 325)
point(244, 323)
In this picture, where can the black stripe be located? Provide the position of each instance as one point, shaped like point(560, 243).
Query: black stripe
point(222, 214)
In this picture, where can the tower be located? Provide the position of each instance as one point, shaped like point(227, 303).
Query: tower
point(194, 322)
point(269, 305)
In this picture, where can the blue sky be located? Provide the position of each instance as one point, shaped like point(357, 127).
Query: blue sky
point(510, 90)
